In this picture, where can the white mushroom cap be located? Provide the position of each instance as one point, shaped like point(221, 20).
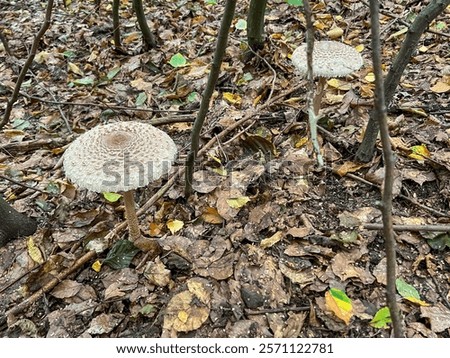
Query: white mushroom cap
point(119, 157)
point(330, 59)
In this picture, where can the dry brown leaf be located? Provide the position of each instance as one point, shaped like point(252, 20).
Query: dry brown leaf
point(439, 317)
point(270, 241)
point(211, 216)
point(67, 288)
point(188, 310)
point(157, 273)
point(441, 87)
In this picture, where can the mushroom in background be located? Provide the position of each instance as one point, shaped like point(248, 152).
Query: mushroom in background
point(120, 157)
point(330, 59)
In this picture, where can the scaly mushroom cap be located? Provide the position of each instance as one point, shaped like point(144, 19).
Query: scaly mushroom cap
point(119, 157)
point(330, 59)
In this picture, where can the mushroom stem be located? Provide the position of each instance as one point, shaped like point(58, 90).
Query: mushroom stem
point(132, 219)
point(319, 94)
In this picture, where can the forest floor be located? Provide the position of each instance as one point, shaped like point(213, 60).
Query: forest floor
point(256, 249)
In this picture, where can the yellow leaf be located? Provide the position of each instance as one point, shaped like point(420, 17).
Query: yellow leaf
point(221, 171)
point(404, 30)
point(319, 25)
point(232, 98)
point(211, 215)
point(97, 266)
point(257, 100)
point(338, 303)
point(440, 87)
point(270, 241)
point(370, 77)
point(183, 316)
point(74, 68)
point(34, 251)
point(335, 33)
point(417, 301)
point(301, 142)
point(334, 82)
point(213, 157)
point(423, 48)
point(175, 225)
point(338, 84)
point(419, 152)
point(239, 202)
point(359, 48)
point(41, 57)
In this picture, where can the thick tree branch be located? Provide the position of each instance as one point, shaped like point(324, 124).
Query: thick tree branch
point(415, 31)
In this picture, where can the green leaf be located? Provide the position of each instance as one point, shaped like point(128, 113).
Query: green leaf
point(111, 74)
point(141, 99)
point(441, 25)
point(408, 292)
point(405, 289)
point(381, 318)
point(295, 2)
point(211, 2)
point(177, 60)
point(26, 84)
point(193, 97)
point(440, 241)
point(52, 188)
point(241, 24)
point(111, 197)
point(21, 124)
point(86, 81)
point(121, 254)
point(340, 295)
point(339, 303)
point(69, 54)
point(147, 309)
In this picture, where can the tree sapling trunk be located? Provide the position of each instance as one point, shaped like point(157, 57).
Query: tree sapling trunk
point(255, 24)
point(149, 39)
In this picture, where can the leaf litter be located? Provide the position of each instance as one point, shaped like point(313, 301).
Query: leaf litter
point(264, 238)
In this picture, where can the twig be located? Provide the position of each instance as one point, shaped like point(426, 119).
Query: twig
point(437, 228)
point(272, 87)
point(380, 114)
point(104, 106)
point(28, 62)
point(51, 284)
point(401, 196)
point(66, 121)
point(237, 135)
point(22, 184)
point(35, 144)
point(277, 310)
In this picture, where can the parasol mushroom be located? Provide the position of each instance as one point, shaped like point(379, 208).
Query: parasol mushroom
point(330, 59)
point(120, 157)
